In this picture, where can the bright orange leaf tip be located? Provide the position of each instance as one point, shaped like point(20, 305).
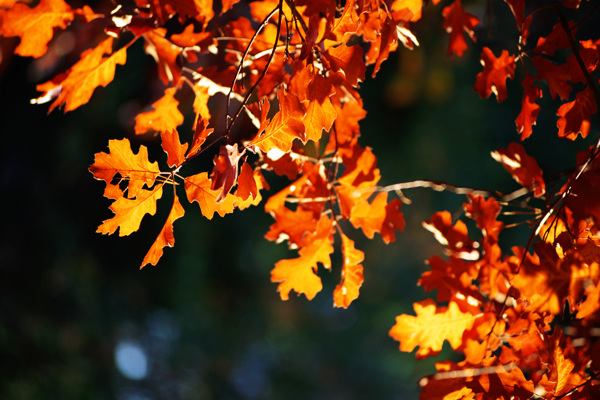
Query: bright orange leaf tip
point(523, 168)
point(431, 326)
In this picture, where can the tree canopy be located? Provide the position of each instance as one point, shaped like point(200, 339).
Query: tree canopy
point(248, 93)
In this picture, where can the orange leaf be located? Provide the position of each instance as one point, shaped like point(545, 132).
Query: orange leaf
point(495, 72)
point(319, 113)
point(456, 21)
point(523, 168)
point(575, 116)
point(165, 237)
point(129, 212)
point(352, 274)
point(285, 126)
point(246, 184)
point(173, 147)
point(298, 274)
point(198, 188)
point(165, 116)
point(431, 327)
point(76, 86)
point(454, 237)
point(349, 60)
point(225, 171)
point(165, 53)
point(378, 216)
point(35, 26)
point(135, 169)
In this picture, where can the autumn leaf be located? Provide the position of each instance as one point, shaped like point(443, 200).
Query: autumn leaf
point(129, 212)
point(173, 147)
point(523, 168)
point(457, 21)
point(319, 112)
point(431, 326)
point(349, 60)
point(225, 171)
point(378, 216)
point(285, 126)
point(198, 189)
point(529, 108)
point(165, 53)
point(557, 76)
point(35, 26)
point(575, 116)
point(76, 86)
point(299, 274)
point(165, 115)
point(454, 237)
point(135, 169)
point(165, 237)
point(495, 72)
point(352, 274)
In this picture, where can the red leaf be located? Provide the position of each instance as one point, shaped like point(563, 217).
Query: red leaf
point(456, 22)
point(454, 237)
point(575, 116)
point(523, 168)
point(529, 108)
point(557, 76)
point(495, 72)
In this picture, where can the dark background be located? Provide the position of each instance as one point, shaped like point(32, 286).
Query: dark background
point(207, 323)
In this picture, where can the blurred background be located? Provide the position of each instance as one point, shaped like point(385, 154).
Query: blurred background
point(79, 320)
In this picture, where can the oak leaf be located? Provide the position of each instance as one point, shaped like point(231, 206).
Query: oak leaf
point(457, 21)
point(165, 237)
point(495, 72)
point(285, 126)
point(522, 167)
point(173, 147)
point(352, 274)
point(129, 212)
point(198, 188)
point(349, 60)
point(454, 237)
point(165, 115)
point(529, 108)
point(35, 26)
point(378, 216)
point(76, 86)
point(135, 169)
point(299, 274)
point(431, 326)
point(575, 116)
